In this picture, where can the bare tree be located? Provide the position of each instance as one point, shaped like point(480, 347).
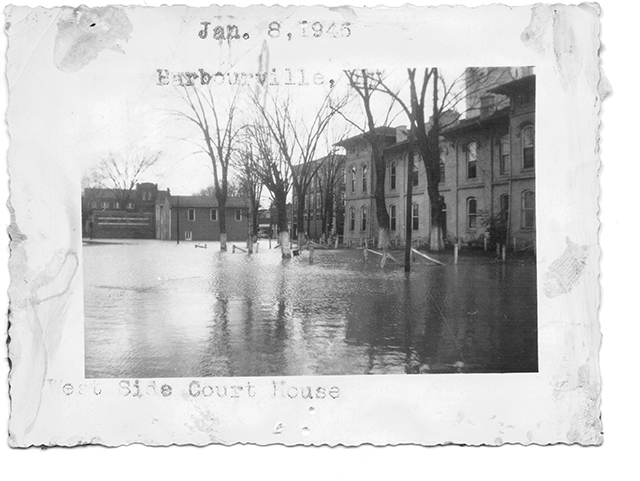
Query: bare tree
point(297, 138)
point(219, 133)
point(234, 189)
point(426, 132)
point(274, 173)
point(120, 174)
point(366, 83)
point(248, 183)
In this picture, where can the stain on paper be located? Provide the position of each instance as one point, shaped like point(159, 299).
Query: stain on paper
point(565, 271)
point(84, 33)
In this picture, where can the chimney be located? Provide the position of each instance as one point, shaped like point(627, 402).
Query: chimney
point(401, 133)
point(487, 105)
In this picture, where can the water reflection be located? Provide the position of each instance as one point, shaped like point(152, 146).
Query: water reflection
point(156, 309)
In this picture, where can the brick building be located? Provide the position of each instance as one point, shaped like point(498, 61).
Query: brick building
point(121, 214)
point(324, 202)
point(487, 171)
point(197, 218)
point(359, 212)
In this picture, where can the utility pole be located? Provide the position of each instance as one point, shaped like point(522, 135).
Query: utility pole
point(408, 214)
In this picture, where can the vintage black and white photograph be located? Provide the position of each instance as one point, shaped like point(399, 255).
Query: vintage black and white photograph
point(381, 221)
point(304, 225)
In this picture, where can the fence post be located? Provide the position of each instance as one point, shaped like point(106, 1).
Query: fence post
point(311, 255)
point(455, 253)
point(365, 253)
point(504, 253)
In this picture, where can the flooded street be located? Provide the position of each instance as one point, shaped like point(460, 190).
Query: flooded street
point(157, 309)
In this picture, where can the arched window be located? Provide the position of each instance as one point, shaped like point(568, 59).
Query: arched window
point(472, 213)
point(528, 209)
point(353, 178)
point(415, 177)
point(505, 152)
point(472, 160)
point(504, 208)
point(528, 147)
point(364, 178)
point(352, 219)
point(415, 216)
point(392, 175)
point(392, 217)
point(363, 218)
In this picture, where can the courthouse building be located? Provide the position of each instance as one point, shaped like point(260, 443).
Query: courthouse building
point(487, 170)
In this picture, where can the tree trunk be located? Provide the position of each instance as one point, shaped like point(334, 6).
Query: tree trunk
point(382, 215)
point(384, 238)
point(300, 218)
point(285, 247)
point(255, 205)
point(436, 238)
point(283, 227)
point(223, 225)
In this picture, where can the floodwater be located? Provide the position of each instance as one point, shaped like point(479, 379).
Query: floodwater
point(157, 309)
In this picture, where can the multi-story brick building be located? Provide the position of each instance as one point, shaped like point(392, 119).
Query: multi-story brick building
point(360, 212)
point(487, 171)
point(118, 213)
point(324, 202)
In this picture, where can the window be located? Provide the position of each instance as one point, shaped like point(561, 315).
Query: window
point(117, 205)
point(352, 219)
point(505, 151)
point(472, 213)
point(213, 214)
point(528, 147)
point(353, 178)
point(130, 205)
point(105, 205)
point(364, 178)
point(415, 216)
point(415, 178)
point(363, 218)
point(392, 217)
point(188, 235)
point(528, 209)
point(344, 176)
point(504, 208)
point(238, 215)
point(472, 160)
point(392, 175)
point(94, 205)
point(191, 214)
point(441, 171)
